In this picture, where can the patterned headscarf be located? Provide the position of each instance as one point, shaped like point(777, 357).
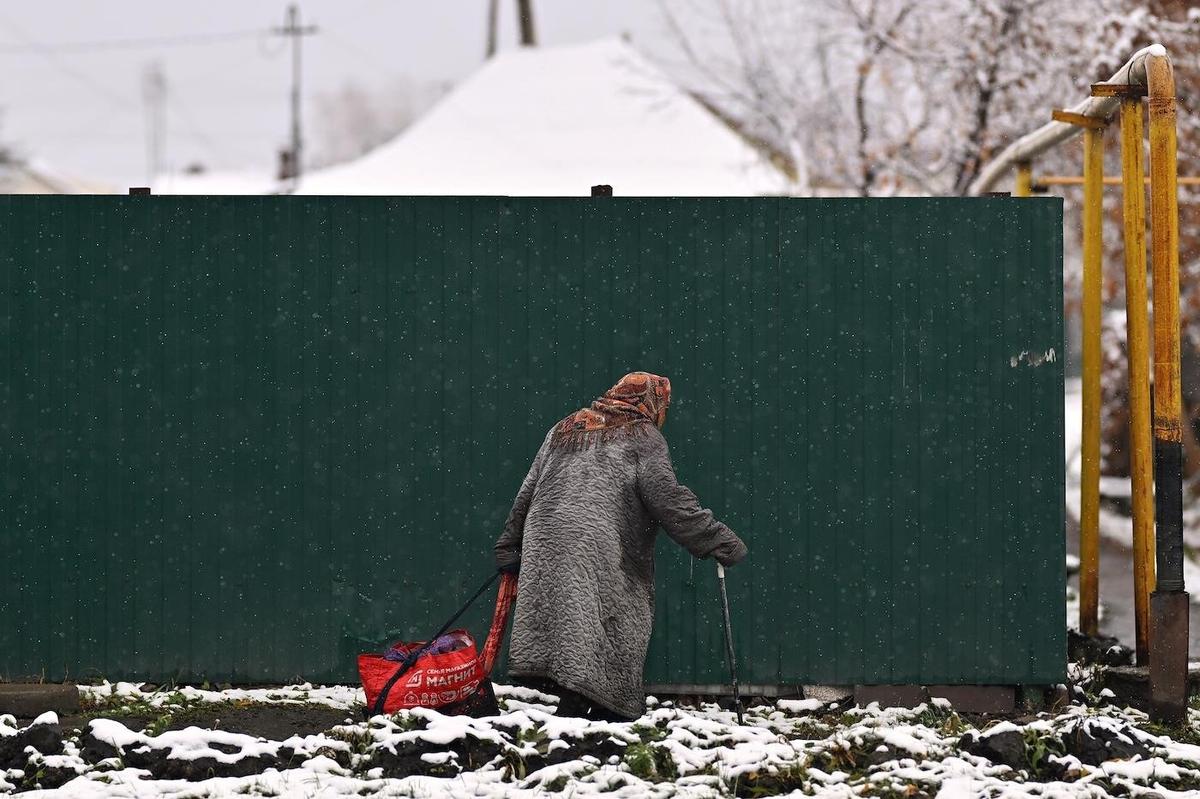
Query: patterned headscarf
point(637, 398)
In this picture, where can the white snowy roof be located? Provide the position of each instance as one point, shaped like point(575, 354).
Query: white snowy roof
point(554, 122)
point(215, 182)
point(37, 176)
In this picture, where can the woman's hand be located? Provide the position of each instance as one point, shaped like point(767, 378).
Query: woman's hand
point(730, 551)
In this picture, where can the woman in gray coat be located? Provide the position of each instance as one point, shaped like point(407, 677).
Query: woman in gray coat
point(582, 532)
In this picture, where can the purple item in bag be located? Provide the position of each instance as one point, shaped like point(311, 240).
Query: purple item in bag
point(450, 642)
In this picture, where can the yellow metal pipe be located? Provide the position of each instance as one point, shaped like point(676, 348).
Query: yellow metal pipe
point(1137, 330)
point(1089, 517)
point(1169, 602)
point(1164, 225)
point(1024, 183)
point(1078, 180)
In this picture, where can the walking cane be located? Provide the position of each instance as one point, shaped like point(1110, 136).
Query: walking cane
point(737, 699)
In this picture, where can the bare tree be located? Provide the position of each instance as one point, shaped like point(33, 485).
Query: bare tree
point(877, 25)
point(1176, 25)
point(736, 65)
point(885, 96)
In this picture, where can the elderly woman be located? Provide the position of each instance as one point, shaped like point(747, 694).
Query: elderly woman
point(582, 533)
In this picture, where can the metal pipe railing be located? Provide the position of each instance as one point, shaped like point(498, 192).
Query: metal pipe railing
point(1169, 602)
point(1156, 475)
point(1137, 329)
point(1164, 250)
point(1042, 182)
point(1093, 279)
point(1052, 134)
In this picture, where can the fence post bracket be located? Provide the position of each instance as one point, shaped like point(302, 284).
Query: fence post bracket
point(1128, 90)
point(1079, 120)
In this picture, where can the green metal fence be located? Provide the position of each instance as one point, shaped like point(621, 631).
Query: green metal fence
point(243, 438)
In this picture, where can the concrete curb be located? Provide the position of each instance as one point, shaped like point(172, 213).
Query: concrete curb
point(27, 700)
point(963, 698)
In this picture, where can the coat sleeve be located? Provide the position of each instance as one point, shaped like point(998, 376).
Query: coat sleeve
point(677, 509)
point(508, 546)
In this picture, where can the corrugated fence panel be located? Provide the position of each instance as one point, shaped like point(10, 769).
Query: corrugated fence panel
point(245, 438)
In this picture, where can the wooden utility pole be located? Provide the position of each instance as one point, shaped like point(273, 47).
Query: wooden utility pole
point(295, 31)
point(154, 94)
point(528, 32)
point(525, 25)
point(493, 21)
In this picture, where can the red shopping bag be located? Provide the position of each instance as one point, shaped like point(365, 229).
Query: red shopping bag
point(423, 678)
point(433, 680)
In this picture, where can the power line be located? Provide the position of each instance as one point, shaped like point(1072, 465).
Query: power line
point(81, 77)
point(358, 52)
point(100, 45)
point(194, 130)
point(236, 64)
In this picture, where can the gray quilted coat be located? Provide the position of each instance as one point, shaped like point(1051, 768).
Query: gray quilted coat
point(582, 528)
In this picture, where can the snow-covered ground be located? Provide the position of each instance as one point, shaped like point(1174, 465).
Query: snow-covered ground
point(342, 697)
point(1081, 750)
point(1087, 748)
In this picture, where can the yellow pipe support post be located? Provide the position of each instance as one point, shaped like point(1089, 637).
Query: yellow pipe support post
point(1169, 603)
point(1024, 181)
point(1137, 330)
point(1089, 517)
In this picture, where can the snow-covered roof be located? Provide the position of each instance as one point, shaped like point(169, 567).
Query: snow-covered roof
point(215, 182)
point(36, 176)
point(554, 122)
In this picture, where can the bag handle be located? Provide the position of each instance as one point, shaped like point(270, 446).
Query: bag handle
point(504, 603)
point(381, 700)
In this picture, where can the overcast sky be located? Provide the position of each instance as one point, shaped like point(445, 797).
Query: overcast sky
point(73, 69)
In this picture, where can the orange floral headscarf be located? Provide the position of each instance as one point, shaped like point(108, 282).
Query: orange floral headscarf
point(637, 398)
